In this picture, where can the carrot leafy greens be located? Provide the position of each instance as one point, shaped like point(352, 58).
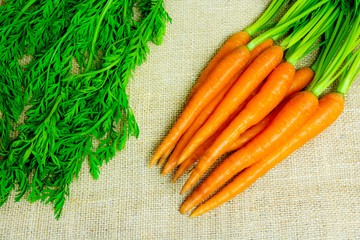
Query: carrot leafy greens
point(67, 112)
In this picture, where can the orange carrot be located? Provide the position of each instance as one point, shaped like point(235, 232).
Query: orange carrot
point(227, 68)
point(269, 96)
point(302, 78)
point(190, 161)
point(258, 70)
point(204, 115)
point(165, 156)
point(238, 39)
point(252, 132)
point(198, 122)
point(293, 115)
point(329, 109)
point(259, 49)
point(193, 158)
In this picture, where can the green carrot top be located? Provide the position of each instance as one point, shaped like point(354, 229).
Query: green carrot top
point(263, 22)
point(341, 41)
point(301, 10)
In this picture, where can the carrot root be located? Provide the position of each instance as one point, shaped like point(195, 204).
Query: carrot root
point(292, 116)
point(329, 109)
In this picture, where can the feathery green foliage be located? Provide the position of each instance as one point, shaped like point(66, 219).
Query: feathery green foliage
point(68, 113)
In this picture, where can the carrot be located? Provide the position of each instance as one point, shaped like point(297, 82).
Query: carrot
point(238, 39)
point(257, 71)
point(217, 80)
point(193, 158)
point(302, 78)
point(200, 150)
point(165, 156)
point(198, 122)
point(269, 96)
point(329, 109)
point(259, 49)
point(252, 132)
point(204, 115)
point(293, 115)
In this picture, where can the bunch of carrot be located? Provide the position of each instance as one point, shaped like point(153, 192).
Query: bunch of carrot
point(248, 99)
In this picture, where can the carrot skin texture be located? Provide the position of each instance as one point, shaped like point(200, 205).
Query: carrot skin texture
point(259, 49)
point(270, 95)
point(200, 150)
point(302, 78)
point(165, 156)
point(192, 159)
point(217, 80)
point(255, 73)
point(208, 142)
point(251, 132)
point(329, 109)
point(198, 122)
point(238, 39)
point(293, 115)
point(208, 110)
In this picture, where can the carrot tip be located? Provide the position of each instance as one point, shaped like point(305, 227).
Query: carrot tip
point(165, 171)
point(175, 179)
point(193, 215)
point(185, 208)
point(183, 191)
point(152, 163)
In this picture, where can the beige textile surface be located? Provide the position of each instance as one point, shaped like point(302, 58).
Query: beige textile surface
point(313, 194)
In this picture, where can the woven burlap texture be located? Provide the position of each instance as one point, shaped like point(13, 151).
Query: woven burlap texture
point(313, 194)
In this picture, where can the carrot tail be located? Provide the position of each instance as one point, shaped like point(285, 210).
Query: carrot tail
point(329, 109)
point(293, 115)
point(256, 73)
point(188, 163)
point(199, 121)
point(269, 96)
point(171, 164)
point(227, 68)
point(193, 158)
point(165, 156)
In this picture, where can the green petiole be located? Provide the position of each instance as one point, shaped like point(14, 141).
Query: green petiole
point(266, 17)
point(309, 34)
point(326, 74)
point(283, 28)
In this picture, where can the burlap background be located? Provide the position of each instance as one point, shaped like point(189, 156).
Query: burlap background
point(314, 194)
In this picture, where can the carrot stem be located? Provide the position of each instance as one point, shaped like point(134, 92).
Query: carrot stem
point(266, 17)
point(325, 74)
point(309, 34)
point(351, 74)
point(283, 28)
